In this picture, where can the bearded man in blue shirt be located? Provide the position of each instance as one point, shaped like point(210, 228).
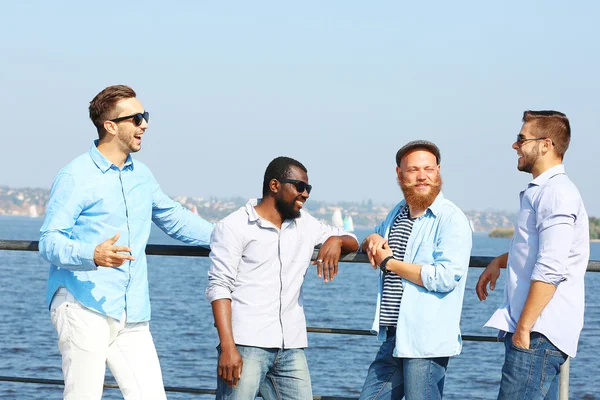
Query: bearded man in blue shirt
point(94, 235)
point(422, 250)
point(544, 297)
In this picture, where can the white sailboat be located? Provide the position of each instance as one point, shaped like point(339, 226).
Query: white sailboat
point(336, 219)
point(348, 224)
point(33, 213)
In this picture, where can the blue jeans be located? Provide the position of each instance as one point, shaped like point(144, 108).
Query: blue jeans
point(533, 373)
point(277, 373)
point(390, 377)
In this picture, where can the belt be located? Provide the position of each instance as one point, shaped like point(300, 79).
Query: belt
point(391, 331)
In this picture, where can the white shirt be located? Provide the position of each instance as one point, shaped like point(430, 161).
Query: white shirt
point(551, 244)
point(261, 268)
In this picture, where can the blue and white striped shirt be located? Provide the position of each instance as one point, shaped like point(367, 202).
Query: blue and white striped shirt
point(392, 283)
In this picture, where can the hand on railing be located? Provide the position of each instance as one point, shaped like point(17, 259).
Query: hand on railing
point(370, 246)
point(489, 275)
point(328, 257)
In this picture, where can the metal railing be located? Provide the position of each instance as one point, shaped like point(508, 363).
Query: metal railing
point(192, 251)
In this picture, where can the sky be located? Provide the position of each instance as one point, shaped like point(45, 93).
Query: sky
point(337, 85)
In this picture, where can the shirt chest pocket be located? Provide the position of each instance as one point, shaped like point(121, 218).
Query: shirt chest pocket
point(424, 254)
point(139, 202)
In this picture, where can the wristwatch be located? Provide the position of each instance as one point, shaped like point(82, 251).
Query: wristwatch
point(382, 266)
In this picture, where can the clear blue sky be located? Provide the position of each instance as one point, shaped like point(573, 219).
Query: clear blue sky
point(339, 85)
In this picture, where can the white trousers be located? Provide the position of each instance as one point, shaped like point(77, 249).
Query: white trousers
point(88, 341)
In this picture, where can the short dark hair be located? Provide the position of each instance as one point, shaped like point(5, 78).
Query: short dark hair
point(279, 168)
point(553, 125)
point(102, 106)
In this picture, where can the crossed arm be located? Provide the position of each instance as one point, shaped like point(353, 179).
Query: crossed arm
point(377, 250)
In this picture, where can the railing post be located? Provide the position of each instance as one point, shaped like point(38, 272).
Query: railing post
point(563, 393)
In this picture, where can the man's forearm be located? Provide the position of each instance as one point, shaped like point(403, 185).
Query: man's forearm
point(411, 272)
point(502, 260)
point(349, 244)
point(222, 313)
point(540, 294)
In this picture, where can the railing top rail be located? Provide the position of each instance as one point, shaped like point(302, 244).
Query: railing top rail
point(194, 251)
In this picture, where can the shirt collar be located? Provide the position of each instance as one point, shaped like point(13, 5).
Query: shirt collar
point(437, 204)
point(254, 217)
point(102, 162)
point(252, 214)
point(547, 174)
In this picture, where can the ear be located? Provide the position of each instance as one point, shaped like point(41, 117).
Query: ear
point(110, 128)
point(398, 171)
point(274, 186)
point(548, 146)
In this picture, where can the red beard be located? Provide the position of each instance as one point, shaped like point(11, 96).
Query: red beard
point(420, 201)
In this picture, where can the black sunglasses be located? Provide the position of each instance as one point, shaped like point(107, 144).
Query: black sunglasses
point(521, 140)
point(301, 186)
point(137, 118)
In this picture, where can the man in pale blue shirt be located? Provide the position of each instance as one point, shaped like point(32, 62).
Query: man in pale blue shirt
point(542, 314)
point(422, 250)
point(94, 236)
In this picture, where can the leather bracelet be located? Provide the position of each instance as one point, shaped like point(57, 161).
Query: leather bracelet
point(382, 266)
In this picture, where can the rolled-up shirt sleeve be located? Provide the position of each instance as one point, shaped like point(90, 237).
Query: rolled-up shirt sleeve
point(555, 221)
point(225, 256)
point(326, 231)
point(451, 255)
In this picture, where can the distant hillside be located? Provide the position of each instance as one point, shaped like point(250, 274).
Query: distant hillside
point(502, 233)
point(28, 202)
point(365, 214)
point(486, 221)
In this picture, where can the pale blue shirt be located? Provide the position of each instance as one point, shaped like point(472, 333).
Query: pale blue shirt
point(261, 269)
point(551, 244)
point(429, 316)
point(90, 201)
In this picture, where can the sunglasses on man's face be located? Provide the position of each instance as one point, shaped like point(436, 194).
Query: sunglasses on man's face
point(301, 186)
point(137, 118)
point(521, 140)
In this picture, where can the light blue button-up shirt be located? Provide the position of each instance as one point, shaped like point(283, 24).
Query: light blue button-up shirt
point(90, 201)
point(551, 244)
point(429, 317)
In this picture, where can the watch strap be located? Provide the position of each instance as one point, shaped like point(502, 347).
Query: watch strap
point(382, 266)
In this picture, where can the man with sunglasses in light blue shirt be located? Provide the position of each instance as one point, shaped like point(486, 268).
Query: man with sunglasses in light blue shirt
point(94, 235)
point(542, 313)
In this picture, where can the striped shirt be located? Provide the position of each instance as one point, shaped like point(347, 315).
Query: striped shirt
point(392, 283)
